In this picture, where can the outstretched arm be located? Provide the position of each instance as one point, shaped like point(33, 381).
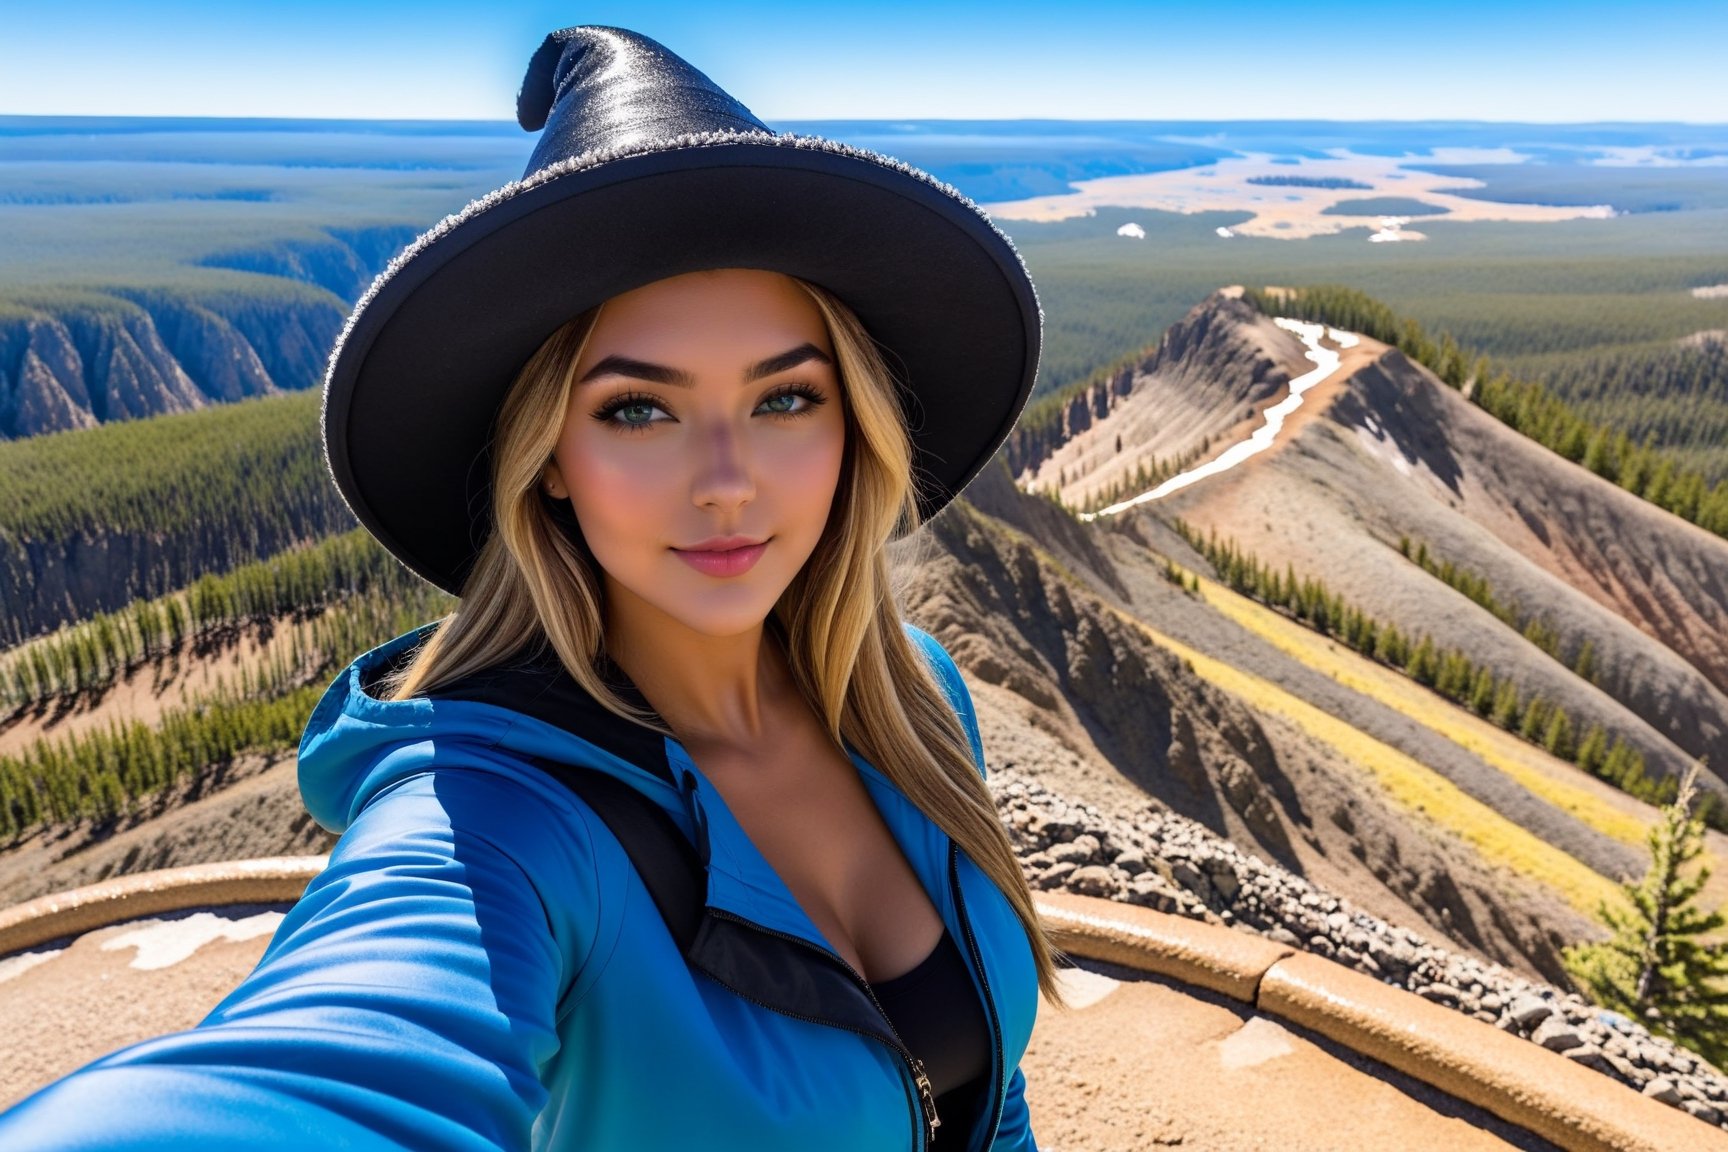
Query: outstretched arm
point(409, 999)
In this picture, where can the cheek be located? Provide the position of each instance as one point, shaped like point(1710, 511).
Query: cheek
point(613, 490)
point(806, 469)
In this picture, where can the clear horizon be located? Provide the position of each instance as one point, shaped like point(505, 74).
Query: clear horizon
point(1347, 61)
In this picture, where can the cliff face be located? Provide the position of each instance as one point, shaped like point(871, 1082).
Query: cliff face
point(134, 352)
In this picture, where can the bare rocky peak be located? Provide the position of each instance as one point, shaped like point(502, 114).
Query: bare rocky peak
point(1212, 371)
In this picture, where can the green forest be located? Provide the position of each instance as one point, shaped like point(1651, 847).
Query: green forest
point(334, 600)
point(93, 519)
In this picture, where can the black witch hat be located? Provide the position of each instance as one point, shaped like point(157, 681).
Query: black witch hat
point(646, 169)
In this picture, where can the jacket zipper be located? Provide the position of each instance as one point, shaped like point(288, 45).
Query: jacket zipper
point(926, 1098)
point(989, 1001)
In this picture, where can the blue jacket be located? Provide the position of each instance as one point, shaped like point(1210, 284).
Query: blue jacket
point(480, 967)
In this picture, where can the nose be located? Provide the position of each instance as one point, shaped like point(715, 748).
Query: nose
point(725, 474)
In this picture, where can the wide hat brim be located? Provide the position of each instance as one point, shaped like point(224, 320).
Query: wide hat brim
point(416, 378)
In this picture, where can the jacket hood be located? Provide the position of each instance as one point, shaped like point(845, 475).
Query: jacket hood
point(357, 744)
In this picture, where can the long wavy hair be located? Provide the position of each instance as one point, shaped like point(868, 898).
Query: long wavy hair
point(535, 581)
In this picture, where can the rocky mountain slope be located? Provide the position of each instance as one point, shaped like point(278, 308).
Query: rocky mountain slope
point(1384, 451)
point(1046, 642)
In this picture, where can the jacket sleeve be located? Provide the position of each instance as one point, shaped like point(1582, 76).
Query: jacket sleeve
point(408, 1000)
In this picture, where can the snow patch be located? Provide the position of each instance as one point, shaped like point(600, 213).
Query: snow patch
point(164, 943)
point(1392, 230)
point(1132, 231)
point(1257, 1041)
point(1083, 988)
point(1372, 438)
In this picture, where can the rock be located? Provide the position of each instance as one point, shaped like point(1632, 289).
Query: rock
point(1081, 850)
point(1440, 994)
point(1623, 1067)
point(1589, 1055)
point(1189, 877)
point(1057, 874)
point(1702, 1110)
point(1131, 861)
point(1321, 945)
point(1556, 1035)
point(1092, 880)
point(1283, 935)
point(1529, 1011)
point(1224, 878)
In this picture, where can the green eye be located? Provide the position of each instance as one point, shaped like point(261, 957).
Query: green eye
point(792, 392)
point(630, 402)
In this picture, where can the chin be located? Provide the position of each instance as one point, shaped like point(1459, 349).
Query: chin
point(732, 608)
point(719, 624)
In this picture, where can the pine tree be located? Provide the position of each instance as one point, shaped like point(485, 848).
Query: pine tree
point(1655, 967)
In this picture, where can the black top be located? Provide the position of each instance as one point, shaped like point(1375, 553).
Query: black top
point(936, 1010)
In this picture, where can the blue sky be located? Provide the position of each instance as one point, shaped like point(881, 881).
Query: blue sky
point(1069, 59)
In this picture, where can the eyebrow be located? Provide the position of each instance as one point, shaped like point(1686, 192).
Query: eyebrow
point(679, 378)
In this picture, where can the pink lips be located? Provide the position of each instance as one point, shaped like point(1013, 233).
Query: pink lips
point(722, 561)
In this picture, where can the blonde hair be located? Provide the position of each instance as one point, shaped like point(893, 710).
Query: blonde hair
point(535, 580)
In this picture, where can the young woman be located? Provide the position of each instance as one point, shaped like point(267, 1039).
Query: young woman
point(752, 361)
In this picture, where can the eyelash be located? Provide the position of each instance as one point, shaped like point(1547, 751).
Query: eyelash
point(623, 400)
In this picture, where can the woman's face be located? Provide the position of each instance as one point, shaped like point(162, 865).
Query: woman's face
point(705, 406)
